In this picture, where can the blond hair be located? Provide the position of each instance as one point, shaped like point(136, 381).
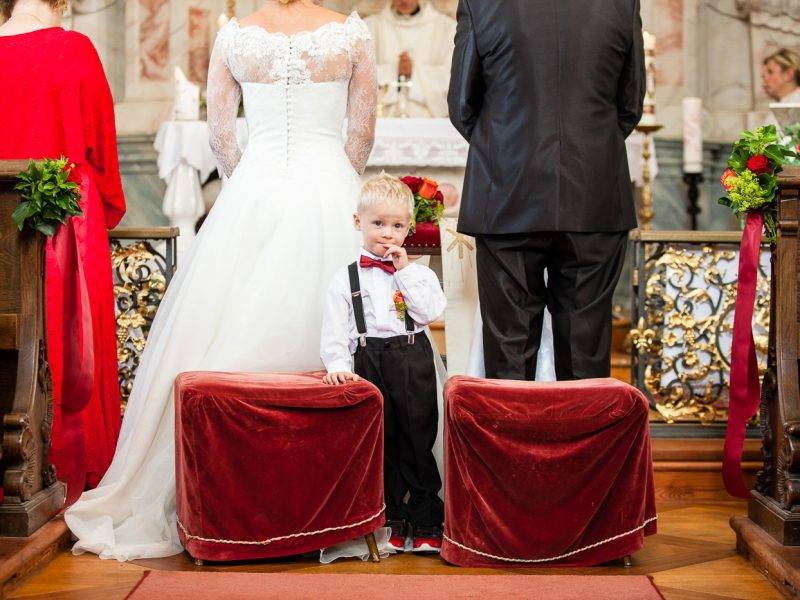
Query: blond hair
point(786, 59)
point(7, 6)
point(385, 188)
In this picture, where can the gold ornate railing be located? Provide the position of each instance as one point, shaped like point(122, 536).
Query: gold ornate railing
point(143, 263)
point(684, 293)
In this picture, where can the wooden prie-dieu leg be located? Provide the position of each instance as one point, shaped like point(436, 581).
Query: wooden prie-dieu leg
point(373, 547)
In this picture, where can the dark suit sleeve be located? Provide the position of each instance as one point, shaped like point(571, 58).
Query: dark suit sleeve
point(465, 97)
point(632, 81)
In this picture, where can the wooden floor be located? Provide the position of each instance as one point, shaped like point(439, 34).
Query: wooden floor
point(693, 557)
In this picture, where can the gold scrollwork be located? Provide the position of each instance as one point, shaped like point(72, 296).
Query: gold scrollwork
point(682, 336)
point(140, 280)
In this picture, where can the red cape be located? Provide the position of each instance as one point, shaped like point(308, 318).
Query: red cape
point(56, 101)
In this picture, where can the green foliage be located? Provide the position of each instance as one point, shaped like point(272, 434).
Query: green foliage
point(757, 192)
point(748, 194)
point(48, 197)
point(792, 142)
point(427, 211)
point(763, 140)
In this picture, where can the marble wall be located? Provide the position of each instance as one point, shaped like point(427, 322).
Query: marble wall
point(153, 40)
point(706, 48)
point(161, 35)
point(141, 42)
point(368, 7)
point(104, 23)
point(713, 49)
point(199, 43)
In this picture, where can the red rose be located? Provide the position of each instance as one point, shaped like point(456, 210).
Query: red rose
point(414, 183)
point(728, 179)
point(759, 164)
point(428, 188)
point(439, 196)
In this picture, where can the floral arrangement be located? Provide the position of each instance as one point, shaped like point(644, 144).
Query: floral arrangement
point(49, 198)
point(751, 177)
point(428, 200)
point(752, 184)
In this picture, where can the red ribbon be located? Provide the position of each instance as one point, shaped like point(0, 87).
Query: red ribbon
point(744, 389)
point(77, 328)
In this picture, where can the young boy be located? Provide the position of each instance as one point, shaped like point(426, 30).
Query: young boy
point(372, 328)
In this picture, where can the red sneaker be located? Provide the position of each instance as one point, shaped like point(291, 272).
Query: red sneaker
point(427, 539)
point(397, 538)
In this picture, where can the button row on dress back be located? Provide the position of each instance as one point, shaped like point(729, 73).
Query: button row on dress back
point(289, 72)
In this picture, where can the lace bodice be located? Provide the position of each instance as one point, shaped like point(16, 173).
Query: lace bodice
point(333, 53)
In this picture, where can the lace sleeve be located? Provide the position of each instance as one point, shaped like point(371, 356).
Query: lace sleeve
point(223, 95)
point(362, 100)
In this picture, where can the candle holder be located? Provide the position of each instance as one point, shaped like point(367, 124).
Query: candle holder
point(693, 180)
point(646, 213)
point(404, 86)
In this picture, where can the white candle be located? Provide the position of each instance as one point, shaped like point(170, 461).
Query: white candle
point(692, 135)
point(649, 113)
point(649, 40)
point(222, 20)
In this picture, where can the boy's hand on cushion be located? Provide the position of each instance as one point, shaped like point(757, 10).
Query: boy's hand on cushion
point(340, 378)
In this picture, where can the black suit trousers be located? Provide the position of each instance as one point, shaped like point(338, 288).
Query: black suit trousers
point(582, 272)
point(406, 376)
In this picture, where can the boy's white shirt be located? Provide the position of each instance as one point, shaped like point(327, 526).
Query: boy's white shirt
point(424, 299)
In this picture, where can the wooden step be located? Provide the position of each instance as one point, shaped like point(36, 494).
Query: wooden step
point(690, 469)
point(19, 557)
point(779, 564)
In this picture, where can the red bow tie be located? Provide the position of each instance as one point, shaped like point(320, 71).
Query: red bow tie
point(366, 262)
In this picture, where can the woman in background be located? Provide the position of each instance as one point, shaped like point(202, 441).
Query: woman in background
point(780, 76)
point(56, 101)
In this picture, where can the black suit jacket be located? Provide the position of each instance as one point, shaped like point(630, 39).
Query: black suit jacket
point(546, 91)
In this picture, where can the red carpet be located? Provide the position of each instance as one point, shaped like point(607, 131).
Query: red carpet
point(178, 585)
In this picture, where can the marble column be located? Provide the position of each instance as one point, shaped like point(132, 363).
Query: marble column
point(103, 22)
point(726, 82)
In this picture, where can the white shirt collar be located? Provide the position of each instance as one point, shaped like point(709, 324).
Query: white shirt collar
point(365, 252)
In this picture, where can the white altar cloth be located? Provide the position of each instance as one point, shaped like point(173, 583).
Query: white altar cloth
point(431, 143)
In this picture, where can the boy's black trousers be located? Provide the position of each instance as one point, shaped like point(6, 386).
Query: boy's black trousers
point(406, 376)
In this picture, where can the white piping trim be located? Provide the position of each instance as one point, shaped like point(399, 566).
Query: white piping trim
point(281, 537)
point(540, 560)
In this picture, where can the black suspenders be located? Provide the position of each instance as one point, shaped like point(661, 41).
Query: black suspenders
point(358, 308)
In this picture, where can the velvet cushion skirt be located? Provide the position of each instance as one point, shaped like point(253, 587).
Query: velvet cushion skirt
point(273, 465)
point(545, 473)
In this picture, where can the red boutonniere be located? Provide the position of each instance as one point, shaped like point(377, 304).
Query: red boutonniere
point(399, 305)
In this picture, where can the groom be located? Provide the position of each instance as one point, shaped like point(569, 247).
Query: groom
point(546, 92)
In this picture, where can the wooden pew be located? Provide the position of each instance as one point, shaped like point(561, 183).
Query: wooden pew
point(31, 493)
point(775, 503)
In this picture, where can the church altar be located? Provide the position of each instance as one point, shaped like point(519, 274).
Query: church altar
point(427, 146)
point(424, 146)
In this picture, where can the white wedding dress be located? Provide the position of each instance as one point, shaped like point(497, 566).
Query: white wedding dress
point(249, 295)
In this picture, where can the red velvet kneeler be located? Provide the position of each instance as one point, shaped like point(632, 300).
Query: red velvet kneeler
point(545, 473)
point(274, 465)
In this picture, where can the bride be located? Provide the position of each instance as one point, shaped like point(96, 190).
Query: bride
point(248, 296)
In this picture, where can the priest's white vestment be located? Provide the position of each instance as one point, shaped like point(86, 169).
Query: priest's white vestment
point(427, 37)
